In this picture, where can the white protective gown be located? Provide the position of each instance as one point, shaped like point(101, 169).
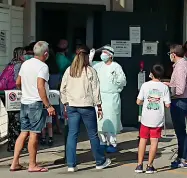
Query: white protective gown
point(112, 80)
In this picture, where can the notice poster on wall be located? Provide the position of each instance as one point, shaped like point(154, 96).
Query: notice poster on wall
point(3, 40)
point(122, 48)
point(150, 48)
point(135, 34)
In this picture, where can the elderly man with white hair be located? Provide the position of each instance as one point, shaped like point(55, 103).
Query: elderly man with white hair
point(33, 81)
point(112, 81)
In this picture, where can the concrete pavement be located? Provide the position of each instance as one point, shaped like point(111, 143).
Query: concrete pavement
point(123, 162)
point(117, 171)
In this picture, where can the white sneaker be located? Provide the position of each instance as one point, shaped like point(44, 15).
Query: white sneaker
point(106, 164)
point(72, 169)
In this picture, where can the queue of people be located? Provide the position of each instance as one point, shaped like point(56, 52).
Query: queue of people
point(78, 104)
point(91, 93)
point(8, 82)
point(154, 95)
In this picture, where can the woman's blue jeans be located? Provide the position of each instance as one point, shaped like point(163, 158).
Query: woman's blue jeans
point(88, 116)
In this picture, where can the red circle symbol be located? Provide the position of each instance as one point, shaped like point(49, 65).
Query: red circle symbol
point(12, 96)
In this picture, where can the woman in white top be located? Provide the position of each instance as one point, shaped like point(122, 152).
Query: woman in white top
point(80, 94)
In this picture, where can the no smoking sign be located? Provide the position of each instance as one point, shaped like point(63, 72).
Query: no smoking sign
point(12, 96)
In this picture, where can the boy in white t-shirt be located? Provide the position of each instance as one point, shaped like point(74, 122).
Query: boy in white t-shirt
point(154, 96)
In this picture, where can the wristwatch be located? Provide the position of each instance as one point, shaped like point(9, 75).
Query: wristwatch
point(99, 107)
point(48, 106)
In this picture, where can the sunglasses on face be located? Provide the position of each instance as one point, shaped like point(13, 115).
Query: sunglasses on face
point(169, 53)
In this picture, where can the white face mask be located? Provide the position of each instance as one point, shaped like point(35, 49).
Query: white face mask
point(171, 57)
point(151, 75)
point(105, 57)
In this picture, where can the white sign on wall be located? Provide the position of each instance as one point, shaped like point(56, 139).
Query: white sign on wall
point(54, 97)
point(13, 99)
point(150, 48)
point(122, 48)
point(135, 34)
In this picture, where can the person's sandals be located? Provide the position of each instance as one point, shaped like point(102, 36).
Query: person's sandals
point(19, 168)
point(42, 169)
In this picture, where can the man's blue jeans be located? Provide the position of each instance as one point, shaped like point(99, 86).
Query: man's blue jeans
point(178, 114)
point(88, 115)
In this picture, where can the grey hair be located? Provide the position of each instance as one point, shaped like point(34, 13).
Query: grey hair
point(40, 48)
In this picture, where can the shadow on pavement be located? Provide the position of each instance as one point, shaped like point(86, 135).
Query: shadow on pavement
point(164, 169)
point(58, 143)
point(118, 159)
point(123, 156)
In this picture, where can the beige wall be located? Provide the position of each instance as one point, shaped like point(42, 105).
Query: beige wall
point(26, 19)
point(27, 23)
point(11, 21)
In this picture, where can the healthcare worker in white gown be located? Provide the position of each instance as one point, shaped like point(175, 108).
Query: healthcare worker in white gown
point(112, 81)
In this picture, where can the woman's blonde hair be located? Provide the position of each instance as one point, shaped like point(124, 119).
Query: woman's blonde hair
point(80, 62)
